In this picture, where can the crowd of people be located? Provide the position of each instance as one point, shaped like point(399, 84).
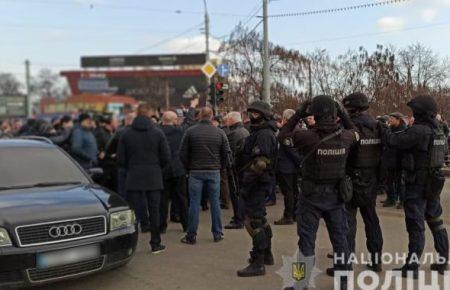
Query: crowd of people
point(169, 166)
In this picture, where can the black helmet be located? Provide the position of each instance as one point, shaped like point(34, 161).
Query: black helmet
point(356, 101)
point(323, 107)
point(261, 107)
point(424, 106)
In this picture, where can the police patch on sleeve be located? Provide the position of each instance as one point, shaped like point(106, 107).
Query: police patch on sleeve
point(288, 142)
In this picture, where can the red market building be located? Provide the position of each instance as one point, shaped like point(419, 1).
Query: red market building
point(163, 79)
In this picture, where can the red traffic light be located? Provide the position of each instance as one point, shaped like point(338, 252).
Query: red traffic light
point(219, 86)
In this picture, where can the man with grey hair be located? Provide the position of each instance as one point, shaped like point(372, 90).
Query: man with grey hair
point(287, 170)
point(236, 137)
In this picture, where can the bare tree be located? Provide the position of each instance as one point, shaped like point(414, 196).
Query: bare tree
point(421, 69)
point(9, 84)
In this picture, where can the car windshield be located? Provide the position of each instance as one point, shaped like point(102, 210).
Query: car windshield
point(22, 167)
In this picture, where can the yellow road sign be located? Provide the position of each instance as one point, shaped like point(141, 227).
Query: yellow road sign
point(209, 69)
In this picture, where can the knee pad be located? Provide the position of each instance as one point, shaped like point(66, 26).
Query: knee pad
point(260, 239)
point(436, 224)
point(254, 226)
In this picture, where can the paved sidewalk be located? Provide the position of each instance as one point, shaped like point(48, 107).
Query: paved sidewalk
point(208, 265)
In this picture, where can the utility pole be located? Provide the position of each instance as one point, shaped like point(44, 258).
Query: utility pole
point(310, 80)
point(208, 80)
point(266, 57)
point(206, 31)
point(28, 89)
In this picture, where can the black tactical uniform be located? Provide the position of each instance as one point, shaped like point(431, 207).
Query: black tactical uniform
point(325, 150)
point(362, 167)
point(259, 155)
point(423, 148)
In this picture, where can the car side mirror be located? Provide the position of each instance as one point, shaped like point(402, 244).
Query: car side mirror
point(95, 173)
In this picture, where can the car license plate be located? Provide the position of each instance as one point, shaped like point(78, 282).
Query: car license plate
point(67, 256)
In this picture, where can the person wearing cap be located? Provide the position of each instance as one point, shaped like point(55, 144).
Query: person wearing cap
point(392, 160)
point(83, 145)
point(63, 135)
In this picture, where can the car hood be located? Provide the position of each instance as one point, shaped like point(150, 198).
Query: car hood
point(36, 205)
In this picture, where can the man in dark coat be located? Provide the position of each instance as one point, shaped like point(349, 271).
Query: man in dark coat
point(392, 160)
point(143, 151)
point(111, 152)
point(287, 170)
point(174, 173)
point(236, 137)
point(103, 133)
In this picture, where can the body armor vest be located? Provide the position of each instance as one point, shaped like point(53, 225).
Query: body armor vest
point(327, 164)
point(367, 153)
point(438, 149)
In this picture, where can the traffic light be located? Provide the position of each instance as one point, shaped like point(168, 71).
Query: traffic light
point(212, 92)
point(219, 88)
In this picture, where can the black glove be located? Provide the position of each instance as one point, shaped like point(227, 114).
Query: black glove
point(344, 116)
point(302, 111)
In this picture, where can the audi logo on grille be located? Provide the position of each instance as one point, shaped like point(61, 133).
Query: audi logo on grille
point(65, 231)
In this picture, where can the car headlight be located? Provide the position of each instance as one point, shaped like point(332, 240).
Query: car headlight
point(122, 219)
point(4, 238)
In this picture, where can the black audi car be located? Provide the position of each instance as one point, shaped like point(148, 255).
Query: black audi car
point(55, 222)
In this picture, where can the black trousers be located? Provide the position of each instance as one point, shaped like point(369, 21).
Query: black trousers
point(174, 191)
point(417, 211)
point(289, 189)
point(151, 208)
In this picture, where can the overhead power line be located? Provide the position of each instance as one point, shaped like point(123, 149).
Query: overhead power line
point(164, 41)
point(370, 34)
point(126, 7)
point(340, 9)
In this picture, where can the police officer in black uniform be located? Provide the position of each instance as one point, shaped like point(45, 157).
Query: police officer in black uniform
point(423, 148)
point(259, 155)
point(324, 187)
point(362, 167)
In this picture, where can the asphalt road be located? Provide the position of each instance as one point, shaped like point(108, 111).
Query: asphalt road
point(209, 265)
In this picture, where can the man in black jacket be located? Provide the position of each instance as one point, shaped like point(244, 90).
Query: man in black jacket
point(111, 152)
point(143, 151)
point(392, 161)
point(236, 136)
point(204, 152)
point(174, 173)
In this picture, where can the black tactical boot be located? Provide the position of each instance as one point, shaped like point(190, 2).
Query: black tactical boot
point(440, 268)
point(375, 263)
point(256, 267)
point(268, 256)
point(409, 268)
point(376, 267)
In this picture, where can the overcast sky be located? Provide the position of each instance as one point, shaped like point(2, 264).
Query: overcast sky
point(55, 33)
